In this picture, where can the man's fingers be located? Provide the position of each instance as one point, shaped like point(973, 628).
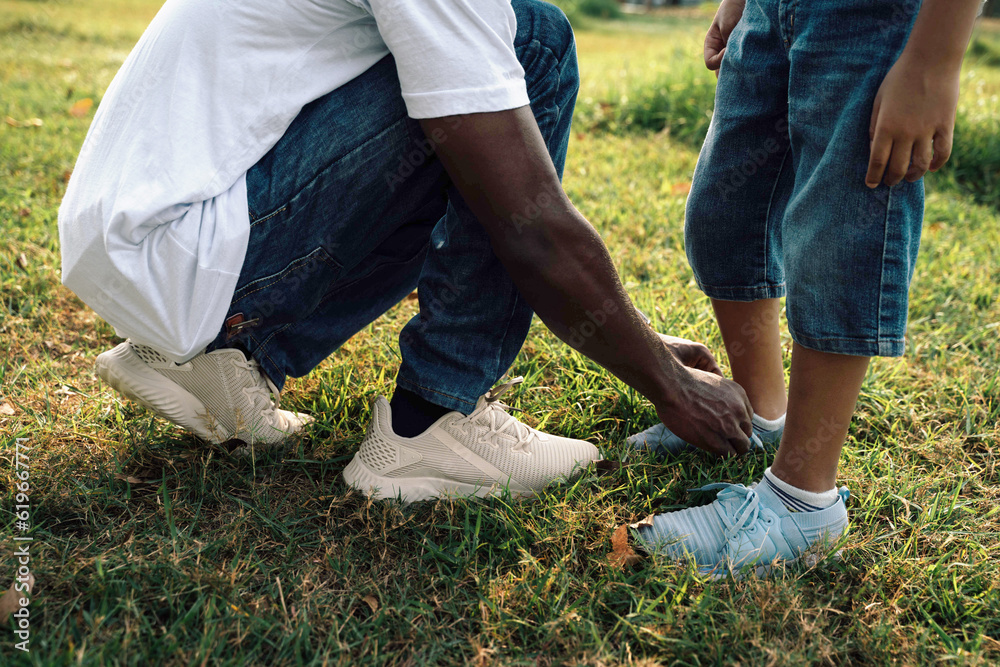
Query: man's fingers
point(899, 162)
point(920, 162)
point(740, 445)
point(881, 150)
point(942, 150)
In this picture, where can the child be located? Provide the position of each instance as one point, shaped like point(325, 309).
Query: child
point(828, 113)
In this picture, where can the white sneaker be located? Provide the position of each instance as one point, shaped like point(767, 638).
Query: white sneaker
point(218, 396)
point(478, 455)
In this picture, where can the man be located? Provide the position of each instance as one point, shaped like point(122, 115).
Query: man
point(263, 180)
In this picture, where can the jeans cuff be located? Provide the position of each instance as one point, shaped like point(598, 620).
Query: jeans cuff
point(436, 397)
point(856, 347)
point(742, 292)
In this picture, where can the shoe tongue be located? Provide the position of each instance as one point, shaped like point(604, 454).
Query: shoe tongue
point(770, 499)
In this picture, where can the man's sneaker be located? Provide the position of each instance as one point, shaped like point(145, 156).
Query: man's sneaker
point(661, 441)
point(743, 527)
point(218, 396)
point(477, 455)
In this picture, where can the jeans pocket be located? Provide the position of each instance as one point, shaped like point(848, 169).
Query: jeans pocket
point(290, 294)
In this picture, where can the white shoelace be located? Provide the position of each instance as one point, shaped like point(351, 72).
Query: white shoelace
point(746, 515)
point(497, 411)
point(264, 388)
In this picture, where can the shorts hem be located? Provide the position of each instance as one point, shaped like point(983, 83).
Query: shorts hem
point(743, 293)
point(856, 347)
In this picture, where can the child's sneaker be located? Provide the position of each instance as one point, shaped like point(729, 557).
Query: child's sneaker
point(662, 442)
point(476, 455)
point(743, 526)
point(218, 396)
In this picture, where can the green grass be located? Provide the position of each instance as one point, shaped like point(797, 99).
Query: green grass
point(214, 561)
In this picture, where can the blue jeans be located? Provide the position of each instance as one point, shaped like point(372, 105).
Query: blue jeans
point(352, 210)
point(778, 200)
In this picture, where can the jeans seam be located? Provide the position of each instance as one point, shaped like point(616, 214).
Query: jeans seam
point(770, 203)
point(268, 216)
point(292, 266)
point(881, 279)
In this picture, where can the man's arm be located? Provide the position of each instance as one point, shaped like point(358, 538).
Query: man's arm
point(559, 263)
point(913, 118)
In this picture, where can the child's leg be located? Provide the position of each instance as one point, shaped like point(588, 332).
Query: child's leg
point(753, 345)
point(823, 392)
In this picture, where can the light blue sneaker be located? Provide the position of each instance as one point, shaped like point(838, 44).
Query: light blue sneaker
point(743, 527)
point(662, 442)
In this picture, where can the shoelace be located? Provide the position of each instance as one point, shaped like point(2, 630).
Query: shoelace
point(745, 516)
point(264, 388)
point(497, 410)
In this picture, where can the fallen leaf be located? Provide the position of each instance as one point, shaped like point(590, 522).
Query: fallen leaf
point(80, 108)
point(24, 212)
point(130, 479)
point(371, 602)
point(34, 122)
point(680, 188)
point(10, 601)
point(412, 296)
point(622, 554)
point(22, 261)
point(6, 409)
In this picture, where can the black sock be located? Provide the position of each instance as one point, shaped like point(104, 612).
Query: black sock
point(411, 414)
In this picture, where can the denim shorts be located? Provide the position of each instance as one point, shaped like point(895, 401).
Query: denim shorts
point(778, 204)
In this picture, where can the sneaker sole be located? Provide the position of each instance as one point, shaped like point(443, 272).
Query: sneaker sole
point(414, 489)
point(126, 373)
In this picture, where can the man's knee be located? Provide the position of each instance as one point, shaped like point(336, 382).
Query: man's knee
point(545, 23)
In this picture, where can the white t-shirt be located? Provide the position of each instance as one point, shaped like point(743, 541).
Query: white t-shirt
point(154, 225)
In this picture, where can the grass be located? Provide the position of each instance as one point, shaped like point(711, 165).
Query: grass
point(201, 559)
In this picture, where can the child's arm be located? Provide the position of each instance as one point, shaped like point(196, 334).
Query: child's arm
point(914, 114)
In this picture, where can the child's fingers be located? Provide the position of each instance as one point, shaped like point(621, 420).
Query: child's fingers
point(899, 161)
point(942, 150)
point(920, 162)
point(881, 150)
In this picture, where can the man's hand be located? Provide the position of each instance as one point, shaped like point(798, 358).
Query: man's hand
point(500, 165)
point(701, 412)
point(692, 354)
point(912, 123)
point(729, 14)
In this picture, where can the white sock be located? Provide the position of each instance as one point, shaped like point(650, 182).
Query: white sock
point(798, 500)
point(769, 424)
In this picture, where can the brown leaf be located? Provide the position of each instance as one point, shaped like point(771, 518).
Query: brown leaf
point(680, 188)
point(6, 409)
point(130, 479)
point(10, 601)
point(80, 108)
point(412, 296)
point(24, 212)
point(371, 601)
point(10, 121)
point(22, 261)
point(622, 554)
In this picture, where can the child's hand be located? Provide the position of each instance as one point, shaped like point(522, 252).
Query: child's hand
point(912, 122)
point(729, 14)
